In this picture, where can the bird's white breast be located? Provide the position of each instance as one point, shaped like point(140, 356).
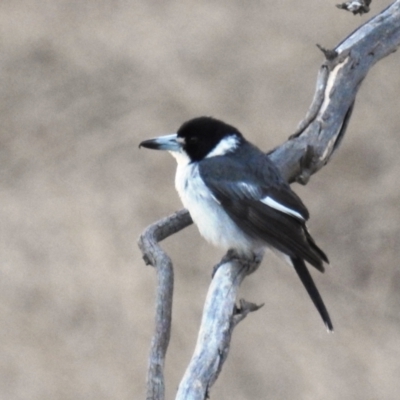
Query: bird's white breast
point(212, 221)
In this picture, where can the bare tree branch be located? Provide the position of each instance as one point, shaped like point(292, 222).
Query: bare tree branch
point(320, 134)
point(220, 316)
point(154, 255)
point(304, 153)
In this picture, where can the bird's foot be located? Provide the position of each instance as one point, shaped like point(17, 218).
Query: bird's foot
point(250, 262)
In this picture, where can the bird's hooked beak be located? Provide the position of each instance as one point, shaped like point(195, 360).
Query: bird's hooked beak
point(167, 142)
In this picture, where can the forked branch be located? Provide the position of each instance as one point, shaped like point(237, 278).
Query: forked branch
point(304, 153)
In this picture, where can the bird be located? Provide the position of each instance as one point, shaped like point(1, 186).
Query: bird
point(238, 198)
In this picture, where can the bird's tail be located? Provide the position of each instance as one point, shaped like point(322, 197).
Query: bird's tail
point(305, 277)
point(314, 246)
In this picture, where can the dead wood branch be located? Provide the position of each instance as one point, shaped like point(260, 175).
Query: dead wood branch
point(304, 153)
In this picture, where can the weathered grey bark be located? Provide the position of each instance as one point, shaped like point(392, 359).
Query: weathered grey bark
point(154, 255)
point(220, 316)
point(303, 154)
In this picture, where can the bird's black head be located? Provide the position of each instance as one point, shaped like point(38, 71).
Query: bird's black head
point(205, 136)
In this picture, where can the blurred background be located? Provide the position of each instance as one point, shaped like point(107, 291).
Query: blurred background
point(82, 83)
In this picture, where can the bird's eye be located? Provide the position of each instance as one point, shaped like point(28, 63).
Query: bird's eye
point(193, 139)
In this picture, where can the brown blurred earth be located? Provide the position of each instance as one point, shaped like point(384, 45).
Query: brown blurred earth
point(82, 83)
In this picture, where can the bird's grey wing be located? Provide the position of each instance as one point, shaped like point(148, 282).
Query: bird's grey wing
point(257, 209)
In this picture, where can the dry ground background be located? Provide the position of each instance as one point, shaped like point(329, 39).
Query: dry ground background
point(82, 82)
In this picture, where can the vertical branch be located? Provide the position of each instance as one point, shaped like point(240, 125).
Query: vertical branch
point(154, 255)
point(220, 316)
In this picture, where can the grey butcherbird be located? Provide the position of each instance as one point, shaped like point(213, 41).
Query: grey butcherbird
point(238, 199)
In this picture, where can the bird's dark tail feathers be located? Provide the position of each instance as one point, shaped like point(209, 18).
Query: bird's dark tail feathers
point(305, 277)
point(319, 257)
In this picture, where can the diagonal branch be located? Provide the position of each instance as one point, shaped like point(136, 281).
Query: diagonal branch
point(303, 154)
point(335, 95)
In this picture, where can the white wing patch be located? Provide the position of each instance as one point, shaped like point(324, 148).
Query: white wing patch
point(249, 189)
point(226, 145)
point(269, 201)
